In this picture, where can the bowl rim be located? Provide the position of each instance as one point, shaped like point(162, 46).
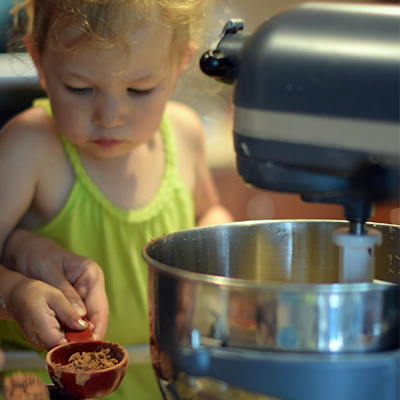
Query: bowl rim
point(282, 287)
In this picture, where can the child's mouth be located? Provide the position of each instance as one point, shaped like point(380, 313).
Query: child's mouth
point(107, 142)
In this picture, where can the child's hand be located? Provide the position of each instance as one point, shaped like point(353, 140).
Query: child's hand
point(37, 308)
point(79, 279)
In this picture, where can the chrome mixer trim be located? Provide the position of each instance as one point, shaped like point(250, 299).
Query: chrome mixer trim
point(344, 133)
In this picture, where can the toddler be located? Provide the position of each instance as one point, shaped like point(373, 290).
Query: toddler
point(92, 173)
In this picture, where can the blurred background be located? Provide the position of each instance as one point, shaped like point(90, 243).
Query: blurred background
point(212, 101)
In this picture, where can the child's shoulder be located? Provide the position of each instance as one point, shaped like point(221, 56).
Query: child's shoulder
point(186, 122)
point(32, 128)
point(190, 140)
point(182, 111)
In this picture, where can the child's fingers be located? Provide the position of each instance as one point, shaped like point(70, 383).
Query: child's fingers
point(100, 321)
point(48, 339)
point(42, 329)
point(67, 313)
point(60, 282)
point(39, 309)
point(97, 308)
point(87, 278)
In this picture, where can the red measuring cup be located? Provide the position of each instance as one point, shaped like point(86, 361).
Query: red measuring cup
point(82, 384)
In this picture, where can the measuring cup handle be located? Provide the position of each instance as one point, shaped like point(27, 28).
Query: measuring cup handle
point(78, 336)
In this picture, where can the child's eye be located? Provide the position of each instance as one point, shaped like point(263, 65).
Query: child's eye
point(138, 92)
point(77, 90)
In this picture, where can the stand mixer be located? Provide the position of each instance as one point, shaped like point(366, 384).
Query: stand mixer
point(316, 112)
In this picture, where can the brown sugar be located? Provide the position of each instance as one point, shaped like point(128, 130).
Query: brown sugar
point(90, 361)
point(83, 363)
point(29, 386)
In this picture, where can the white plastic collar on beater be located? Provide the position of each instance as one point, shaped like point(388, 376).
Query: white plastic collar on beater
point(356, 254)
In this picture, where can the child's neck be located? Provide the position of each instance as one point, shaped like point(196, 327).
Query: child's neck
point(131, 180)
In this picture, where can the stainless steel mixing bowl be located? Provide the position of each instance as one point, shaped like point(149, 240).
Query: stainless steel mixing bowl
point(266, 286)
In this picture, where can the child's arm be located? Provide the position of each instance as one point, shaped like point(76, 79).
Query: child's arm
point(194, 166)
point(216, 214)
point(80, 280)
point(28, 145)
point(209, 208)
point(35, 306)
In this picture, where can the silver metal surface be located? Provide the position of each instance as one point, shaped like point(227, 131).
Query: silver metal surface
point(265, 286)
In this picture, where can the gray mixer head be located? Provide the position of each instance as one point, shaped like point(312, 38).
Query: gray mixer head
point(316, 102)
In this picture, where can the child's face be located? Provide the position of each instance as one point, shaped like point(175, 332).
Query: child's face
point(109, 101)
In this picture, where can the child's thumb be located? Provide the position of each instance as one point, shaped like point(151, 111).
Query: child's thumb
point(72, 295)
point(71, 313)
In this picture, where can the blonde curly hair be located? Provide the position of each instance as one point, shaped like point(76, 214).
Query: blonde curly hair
point(106, 23)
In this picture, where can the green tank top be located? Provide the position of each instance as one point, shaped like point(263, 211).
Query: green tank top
point(91, 226)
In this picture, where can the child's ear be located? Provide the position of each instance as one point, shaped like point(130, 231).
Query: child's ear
point(33, 50)
point(186, 57)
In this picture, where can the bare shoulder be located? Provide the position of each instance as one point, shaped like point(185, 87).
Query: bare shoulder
point(187, 125)
point(37, 170)
point(191, 144)
point(193, 164)
point(30, 132)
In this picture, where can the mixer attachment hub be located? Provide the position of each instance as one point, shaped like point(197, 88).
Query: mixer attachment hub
point(356, 254)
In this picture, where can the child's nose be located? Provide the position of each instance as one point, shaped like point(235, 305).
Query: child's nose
point(109, 112)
